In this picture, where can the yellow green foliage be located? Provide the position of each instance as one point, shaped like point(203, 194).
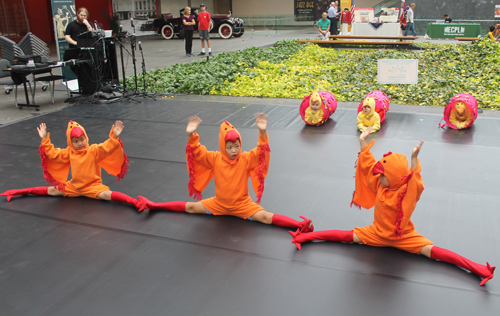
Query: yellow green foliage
point(444, 71)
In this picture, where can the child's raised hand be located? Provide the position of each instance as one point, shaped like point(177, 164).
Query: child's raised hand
point(416, 150)
point(261, 121)
point(193, 124)
point(42, 131)
point(366, 133)
point(118, 128)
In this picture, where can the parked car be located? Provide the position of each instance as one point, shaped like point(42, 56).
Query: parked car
point(148, 26)
point(224, 24)
point(141, 17)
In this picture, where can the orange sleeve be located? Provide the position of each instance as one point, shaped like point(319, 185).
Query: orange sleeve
point(200, 166)
point(55, 163)
point(253, 155)
point(366, 183)
point(414, 191)
point(111, 156)
point(258, 160)
point(55, 154)
point(366, 162)
point(200, 153)
point(105, 149)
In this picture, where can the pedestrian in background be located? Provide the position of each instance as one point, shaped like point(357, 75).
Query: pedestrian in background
point(332, 14)
point(189, 23)
point(410, 24)
point(203, 28)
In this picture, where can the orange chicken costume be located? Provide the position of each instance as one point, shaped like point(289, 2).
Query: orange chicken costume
point(85, 165)
point(230, 177)
point(394, 206)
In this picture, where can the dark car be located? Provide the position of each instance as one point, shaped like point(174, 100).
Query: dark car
point(148, 26)
point(224, 24)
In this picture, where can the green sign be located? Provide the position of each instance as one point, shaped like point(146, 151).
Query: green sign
point(452, 30)
point(63, 12)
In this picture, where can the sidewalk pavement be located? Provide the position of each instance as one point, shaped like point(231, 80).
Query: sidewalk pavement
point(159, 53)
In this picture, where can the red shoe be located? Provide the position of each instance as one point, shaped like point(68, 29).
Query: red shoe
point(295, 235)
point(489, 277)
point(147, 203)
point(142, 205)
point(306, 225)
point(174, 206)
point(484, 271)
point(123, 198)
point(36, 191)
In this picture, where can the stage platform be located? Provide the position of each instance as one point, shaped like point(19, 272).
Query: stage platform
point(78, 256)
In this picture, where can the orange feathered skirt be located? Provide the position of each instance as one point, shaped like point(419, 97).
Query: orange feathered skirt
point(91, 191)
point(411, 242)
point(245, 209)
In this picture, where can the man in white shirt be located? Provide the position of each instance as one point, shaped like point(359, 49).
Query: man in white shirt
point(332, 16)
point(409, 20)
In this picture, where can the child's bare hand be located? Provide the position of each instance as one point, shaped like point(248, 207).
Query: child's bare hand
point(193, 124)
point(42, 131)
point(261, 121)
point(366, 133)
point(118, 128)
point(416, 150)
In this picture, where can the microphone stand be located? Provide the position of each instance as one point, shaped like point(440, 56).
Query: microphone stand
point(145, 94)
point(125, 94)
point(133, 45)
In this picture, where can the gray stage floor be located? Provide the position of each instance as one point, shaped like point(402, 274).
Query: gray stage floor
point(77, 256)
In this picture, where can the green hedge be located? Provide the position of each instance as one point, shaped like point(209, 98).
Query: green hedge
point(292, 70)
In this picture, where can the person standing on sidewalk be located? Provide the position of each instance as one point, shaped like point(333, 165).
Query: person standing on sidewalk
point(203, 28)
point(332, 14)
point(188, 22)
point(337, 18)
point(410, 24)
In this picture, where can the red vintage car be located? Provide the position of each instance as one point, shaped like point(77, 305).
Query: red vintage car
point(224, 24)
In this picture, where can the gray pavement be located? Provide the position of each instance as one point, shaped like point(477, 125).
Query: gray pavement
point(159, 53)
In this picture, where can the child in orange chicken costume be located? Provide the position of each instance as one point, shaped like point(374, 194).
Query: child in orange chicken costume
point(85, 163)
point(394, 190)
point(230, 169)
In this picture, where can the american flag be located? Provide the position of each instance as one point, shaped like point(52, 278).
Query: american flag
point(351, 12)
point(401, 12)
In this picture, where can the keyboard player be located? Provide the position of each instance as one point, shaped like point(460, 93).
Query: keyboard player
point(77, 27)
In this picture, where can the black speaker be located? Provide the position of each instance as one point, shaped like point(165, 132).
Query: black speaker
point(88, 78)
point(110, 74)
point(101, 66)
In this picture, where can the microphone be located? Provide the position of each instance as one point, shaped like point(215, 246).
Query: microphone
point(140, 47)
point(132, 22)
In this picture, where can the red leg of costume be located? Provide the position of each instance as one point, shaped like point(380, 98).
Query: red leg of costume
point(123, 198)
point(36, 191)
point(175, 206)
point(330, 235)
point(285, 221)
point(484, 271)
